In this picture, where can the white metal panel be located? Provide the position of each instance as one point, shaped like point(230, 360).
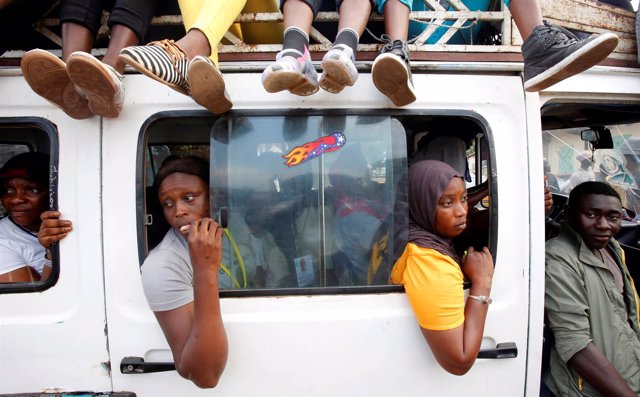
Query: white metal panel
point(55, 340)
point(324, 345)
point(537, 235)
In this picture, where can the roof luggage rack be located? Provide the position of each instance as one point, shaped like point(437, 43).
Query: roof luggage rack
point(447, 31)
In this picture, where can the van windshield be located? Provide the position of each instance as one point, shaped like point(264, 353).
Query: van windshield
point(570, 160)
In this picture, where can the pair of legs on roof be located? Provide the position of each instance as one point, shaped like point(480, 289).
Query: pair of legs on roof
point(189, 64)
point(293, 70)
point(79, 84)
point(83, 86)
point(551, 54)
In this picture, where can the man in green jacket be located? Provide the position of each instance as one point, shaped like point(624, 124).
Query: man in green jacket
point(591, 302)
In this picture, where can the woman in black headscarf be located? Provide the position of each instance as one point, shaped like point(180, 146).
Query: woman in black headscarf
point(430, 267)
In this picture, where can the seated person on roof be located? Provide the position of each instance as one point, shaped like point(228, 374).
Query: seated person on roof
point(29, 229)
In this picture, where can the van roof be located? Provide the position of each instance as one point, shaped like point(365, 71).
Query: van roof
point(436, 42)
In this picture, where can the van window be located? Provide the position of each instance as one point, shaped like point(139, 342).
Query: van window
point(18, 239)
point(314, 203)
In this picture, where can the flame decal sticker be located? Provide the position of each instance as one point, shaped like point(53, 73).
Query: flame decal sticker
point(309, 150)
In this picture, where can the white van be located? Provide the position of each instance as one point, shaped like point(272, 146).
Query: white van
point(322, 328)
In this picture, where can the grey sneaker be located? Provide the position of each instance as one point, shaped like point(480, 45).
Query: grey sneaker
point(297, 75)
point(552, 54)
point(338, 69)
point(391, 72)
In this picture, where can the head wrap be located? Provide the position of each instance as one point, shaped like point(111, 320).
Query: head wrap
point(32, 166)
point(428, 179)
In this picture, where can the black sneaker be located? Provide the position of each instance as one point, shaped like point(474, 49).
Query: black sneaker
point(391, 72)
point(552, 54)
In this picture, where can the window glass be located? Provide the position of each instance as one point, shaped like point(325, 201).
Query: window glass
point(310, 199)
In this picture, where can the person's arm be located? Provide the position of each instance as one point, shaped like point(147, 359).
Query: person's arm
point(456, 349)
point(596, 370)
point(477, 193)
point(52, 230)
point(195, 331)
point(548, 199)
point(24, 274)
point(15, 265)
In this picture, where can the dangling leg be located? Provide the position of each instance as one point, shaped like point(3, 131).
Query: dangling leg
point(293, 70)
point(47, 75)
point(391, 70)
point(338, 64)
point(552, 54)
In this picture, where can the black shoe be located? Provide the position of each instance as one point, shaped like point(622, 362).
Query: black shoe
point(391, 72)
point(552, 54)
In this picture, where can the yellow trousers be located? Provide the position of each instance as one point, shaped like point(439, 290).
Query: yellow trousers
point(212, 17)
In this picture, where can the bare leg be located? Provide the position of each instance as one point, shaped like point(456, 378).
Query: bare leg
point(354, 14)
point(297, 13)
point(194, 43)
point(396, 20)
point(121, 37)
point(527, 15)
point(75, 38)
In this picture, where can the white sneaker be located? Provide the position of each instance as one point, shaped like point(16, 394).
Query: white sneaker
point(339, 69)
point(297, 75)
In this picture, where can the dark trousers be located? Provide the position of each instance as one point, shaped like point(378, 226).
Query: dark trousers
point(134, 14)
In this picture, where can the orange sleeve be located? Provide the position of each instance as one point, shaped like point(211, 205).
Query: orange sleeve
point(433, 283)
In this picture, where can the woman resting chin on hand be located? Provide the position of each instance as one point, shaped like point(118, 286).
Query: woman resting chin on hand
point(432, 272)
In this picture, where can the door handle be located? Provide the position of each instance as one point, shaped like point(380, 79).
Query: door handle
point(137, 365)
point(502, 350)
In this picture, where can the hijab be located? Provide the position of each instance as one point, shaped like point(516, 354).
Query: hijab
point(428, 179)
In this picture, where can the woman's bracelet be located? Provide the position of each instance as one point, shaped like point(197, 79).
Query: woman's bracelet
point(482, 298)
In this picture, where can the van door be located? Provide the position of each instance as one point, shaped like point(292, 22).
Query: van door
point(334, 330)
point(53, 334)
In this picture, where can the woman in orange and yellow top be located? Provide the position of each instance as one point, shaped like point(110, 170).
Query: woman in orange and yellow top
point(432, 272)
